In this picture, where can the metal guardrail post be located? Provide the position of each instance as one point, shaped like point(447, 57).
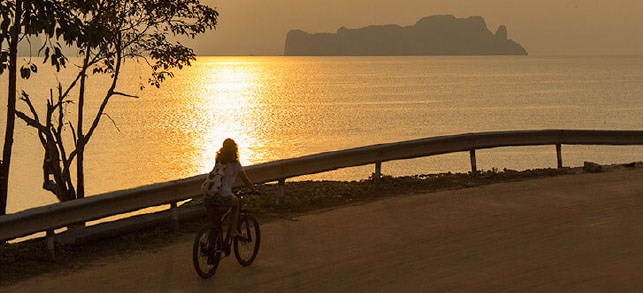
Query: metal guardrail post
point(174, 217)
point(474, 167)
point(51, 243)
point(377, 174)
point(559, 156)
point(282, 188)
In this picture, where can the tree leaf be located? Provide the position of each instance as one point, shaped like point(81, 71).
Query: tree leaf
point(25, 72)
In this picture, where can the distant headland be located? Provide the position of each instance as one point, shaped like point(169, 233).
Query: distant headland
point(433, 35)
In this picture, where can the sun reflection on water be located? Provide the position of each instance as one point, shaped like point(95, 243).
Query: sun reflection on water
point(229, 102)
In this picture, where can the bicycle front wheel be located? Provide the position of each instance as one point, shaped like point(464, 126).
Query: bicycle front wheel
point(206, 252)
point(246, 247)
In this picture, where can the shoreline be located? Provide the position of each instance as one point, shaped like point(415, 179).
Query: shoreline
point(31, 258)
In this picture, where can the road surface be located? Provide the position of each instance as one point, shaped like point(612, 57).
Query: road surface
point(578, 232)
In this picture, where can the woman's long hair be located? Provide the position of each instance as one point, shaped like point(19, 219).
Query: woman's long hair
point(228, 153)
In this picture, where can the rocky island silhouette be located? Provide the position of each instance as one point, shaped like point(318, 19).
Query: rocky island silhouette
point(433, 35)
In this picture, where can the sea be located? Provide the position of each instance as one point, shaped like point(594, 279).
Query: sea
point(285, 107)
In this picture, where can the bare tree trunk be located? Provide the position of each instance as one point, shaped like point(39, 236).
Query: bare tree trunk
point(80, 147)
point(51, 140)
point(11, 109)
point(80, 174)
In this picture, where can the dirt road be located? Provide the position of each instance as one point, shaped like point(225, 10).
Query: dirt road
point(577, 232)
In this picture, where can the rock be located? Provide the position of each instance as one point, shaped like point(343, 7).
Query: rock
point(592, 167)
point(630, 165)
point(433, 35)
point(501, 33)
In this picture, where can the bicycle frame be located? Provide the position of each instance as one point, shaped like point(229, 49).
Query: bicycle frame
point(219, 243)
point(227, 213)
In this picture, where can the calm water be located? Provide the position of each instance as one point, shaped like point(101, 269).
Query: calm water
point(282, 107)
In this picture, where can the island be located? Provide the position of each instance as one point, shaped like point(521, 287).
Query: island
point(433, 35)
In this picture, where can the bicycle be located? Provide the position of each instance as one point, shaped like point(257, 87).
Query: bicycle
point(208, 248)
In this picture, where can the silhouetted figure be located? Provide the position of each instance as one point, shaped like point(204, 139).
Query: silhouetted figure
point(227, 160)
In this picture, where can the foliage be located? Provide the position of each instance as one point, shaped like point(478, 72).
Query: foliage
point(140, 30)
point(106, 33)
point(47, 19)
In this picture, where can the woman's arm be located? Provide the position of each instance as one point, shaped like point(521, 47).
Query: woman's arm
point(247, 181)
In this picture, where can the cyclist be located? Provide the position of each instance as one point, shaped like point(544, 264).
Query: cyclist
point(228, 155)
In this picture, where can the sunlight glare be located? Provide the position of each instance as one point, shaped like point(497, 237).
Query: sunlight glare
point(230, 100)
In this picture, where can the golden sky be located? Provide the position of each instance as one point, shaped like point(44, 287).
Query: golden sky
point(542, 26)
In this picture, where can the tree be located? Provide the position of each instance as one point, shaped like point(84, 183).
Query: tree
point(111, 33)
point(20, 20)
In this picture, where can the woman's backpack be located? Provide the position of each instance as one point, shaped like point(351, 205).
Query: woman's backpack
point(213, 182)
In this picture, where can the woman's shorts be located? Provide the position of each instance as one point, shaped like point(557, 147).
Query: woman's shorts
point(218, 202)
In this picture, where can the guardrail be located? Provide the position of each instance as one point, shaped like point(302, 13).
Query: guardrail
point(47, 218)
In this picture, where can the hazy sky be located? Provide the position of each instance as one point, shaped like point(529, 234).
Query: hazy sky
point(542, 26)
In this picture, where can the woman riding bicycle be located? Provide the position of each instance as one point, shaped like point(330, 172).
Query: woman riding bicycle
point(228, 156)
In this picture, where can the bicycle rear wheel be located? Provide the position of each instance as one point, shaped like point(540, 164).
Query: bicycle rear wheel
point(246, 247)
point(206, 252)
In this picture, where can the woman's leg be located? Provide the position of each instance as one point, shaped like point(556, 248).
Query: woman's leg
point(213, 216)
point(234, 204)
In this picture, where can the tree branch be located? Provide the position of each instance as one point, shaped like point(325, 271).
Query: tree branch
point(74, 152)
point(72, 155)
point(125, 95)
point(30, 121)
point(71, 86)
point(25, 98)
point(113, 122)
point(58, 130)
point(60, 110)
point(33, 123)
point(109, 94)
point(73, 132)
